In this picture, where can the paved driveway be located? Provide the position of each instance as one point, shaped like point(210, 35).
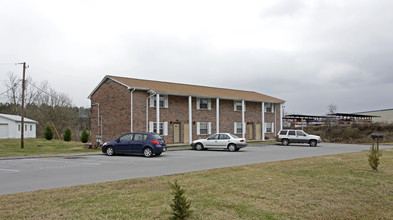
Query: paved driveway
point(20, 175)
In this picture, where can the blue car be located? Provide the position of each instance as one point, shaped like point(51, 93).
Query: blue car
point(148, 144)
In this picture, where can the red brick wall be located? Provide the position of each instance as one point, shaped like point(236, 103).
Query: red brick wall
point(115, 104)
point(114, 101)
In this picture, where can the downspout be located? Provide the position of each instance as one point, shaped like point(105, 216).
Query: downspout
point(147, 110)
point(132, 108)
point(98, 121)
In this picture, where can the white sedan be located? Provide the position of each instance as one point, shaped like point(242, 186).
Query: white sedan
point(220, 140)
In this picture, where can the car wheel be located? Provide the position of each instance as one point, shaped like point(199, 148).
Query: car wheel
point(198, 147)
point(313, 143)
point(285, 142)
point(110, 151)
point(232, 147)
point(148, 152)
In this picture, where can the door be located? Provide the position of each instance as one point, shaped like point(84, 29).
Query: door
point(4, 131)
point(212, 141)
point(250, 131)
point(123, 144)
point(258, 131)
point(176, 133)
point(137, 143)
point(186, 133)
point(223, 141)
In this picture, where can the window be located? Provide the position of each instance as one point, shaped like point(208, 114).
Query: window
point(269, 127)
point(31, 127)
point(238, 128)
point(25, 127)
point(269, 107)
point(140, 137)
point(163, 101)
point(283, 132)
point(291, 133)
point(213, 137)
point(300, 133)
point(224, 137)
point(203, 128)
point(238, 106)
point(203, 103)
point(18, 127)
point(163, 128)
point(126, 138)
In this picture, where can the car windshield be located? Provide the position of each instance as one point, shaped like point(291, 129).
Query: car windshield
point(157, 137)
point(234, 136)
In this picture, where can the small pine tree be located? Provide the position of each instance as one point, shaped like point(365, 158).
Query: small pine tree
point(48, 132)
point(180, 204)
point(85, 136)
point(373, 157)
point(67, 135)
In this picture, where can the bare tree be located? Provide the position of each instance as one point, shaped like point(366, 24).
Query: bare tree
point(332, 108)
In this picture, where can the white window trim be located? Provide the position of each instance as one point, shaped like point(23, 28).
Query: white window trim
point(164, 124)
point(272, 125)
point(235, 127)
point(209, 128)
point(236, 103)
point(271, 105)
point(209, 104)
point(153, 101)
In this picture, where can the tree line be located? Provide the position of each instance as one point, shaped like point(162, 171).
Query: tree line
point(44, 105)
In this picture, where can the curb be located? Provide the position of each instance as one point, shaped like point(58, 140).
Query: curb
point(71, 155)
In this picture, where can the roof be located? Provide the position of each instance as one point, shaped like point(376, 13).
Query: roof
point(306, 116)
point(354, 115)
point(17, 118)
point(179, 89)
point(390, 109)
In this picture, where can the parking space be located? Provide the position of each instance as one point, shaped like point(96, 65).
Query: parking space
point(51, 172)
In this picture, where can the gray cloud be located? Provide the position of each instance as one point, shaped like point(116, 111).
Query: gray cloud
point(309, 53)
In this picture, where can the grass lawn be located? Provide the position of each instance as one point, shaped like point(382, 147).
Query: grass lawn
point(339, 186)
point(40, 146)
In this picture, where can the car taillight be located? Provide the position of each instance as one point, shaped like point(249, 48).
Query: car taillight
point(155, 142)
point(241, 140)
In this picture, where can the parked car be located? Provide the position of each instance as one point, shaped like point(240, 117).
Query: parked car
point(288, 136)
point(148, 144)
point(220, 140)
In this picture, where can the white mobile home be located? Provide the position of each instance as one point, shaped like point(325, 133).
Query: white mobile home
point(11, 126)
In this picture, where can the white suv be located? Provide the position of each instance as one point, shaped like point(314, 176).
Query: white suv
point(288, 136)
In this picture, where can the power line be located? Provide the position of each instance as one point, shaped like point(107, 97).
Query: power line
point(9, 88)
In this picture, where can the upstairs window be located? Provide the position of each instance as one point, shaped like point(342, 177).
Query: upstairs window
point(238, 106)
point(203, 103)
point(163, 101)
point(269, 107)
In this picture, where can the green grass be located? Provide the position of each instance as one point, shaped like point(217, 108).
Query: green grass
point(329, 187)
point(40, 146)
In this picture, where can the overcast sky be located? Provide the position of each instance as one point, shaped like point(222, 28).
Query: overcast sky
point(311, 53)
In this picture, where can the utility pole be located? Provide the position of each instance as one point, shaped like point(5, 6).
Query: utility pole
point(22, 141)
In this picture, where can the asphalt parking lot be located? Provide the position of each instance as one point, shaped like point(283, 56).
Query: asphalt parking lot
point(35, 173)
